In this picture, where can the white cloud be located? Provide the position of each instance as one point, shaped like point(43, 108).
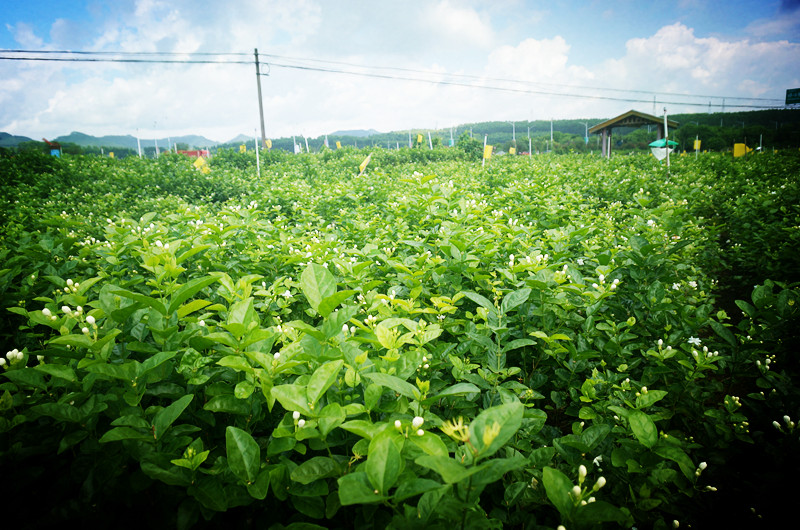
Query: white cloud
point(458, 25)
point(441, 37)
point(24, 35)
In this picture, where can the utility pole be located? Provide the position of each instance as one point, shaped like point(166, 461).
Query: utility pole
point(260, 104)
point(666, 137)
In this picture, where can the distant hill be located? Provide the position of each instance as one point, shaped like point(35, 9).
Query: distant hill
point(86, 140)
point(359, 133)
point(239, 139)
point(9, 140)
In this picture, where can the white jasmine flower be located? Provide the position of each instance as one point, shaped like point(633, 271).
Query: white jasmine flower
point(694, 340)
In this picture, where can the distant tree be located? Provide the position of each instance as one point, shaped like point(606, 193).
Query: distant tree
point(472, 147)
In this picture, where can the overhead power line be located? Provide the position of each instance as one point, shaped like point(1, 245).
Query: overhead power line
point(392, 73)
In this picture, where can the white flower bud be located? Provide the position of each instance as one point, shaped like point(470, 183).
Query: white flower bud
point(417, 422)
point(90, 320)
point(600, 483)
point(85, 330)
point(581, 473)
point(301, 424)
point(576, 491)
point(420, 432)
point(398, 424)
point(46, 312)
point(276, 355)
point(702, 466)
point(66, 309)
point(69, 282)
point(296, 415)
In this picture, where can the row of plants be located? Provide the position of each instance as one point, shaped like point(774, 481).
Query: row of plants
point(534, 343)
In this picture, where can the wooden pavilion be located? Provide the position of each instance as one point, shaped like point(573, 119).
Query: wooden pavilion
point(632, 118)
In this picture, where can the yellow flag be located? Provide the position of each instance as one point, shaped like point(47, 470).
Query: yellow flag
point(269, 143)
point(363, 164)
point(338, 144)
point(487, 152)
point(242, 148)
point(512, 150)
point(697, 145)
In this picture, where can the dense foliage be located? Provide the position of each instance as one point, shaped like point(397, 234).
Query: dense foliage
point(562, 340)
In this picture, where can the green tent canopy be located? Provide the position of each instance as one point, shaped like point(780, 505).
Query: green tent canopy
point(660, 143)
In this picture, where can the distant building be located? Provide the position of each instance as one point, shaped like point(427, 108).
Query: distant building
point(197, 153)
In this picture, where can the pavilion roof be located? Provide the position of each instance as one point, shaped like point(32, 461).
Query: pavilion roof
point(632, 118)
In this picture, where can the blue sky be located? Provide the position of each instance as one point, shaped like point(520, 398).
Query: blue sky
point(553, 59)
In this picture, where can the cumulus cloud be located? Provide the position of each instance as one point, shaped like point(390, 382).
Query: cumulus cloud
point(441, 38)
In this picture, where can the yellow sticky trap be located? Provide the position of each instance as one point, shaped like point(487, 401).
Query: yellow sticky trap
point(487, 152)
point(364, 164)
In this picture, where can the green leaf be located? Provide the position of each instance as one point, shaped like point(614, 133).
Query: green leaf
point(363, 428)
point(292, 397)
point(146, 300)
point(328, 304)
point(228, 404)
point(259, 488)
point(210, 493)
point(481, 301)
point(400, 386)
point(330, 417)
point(167, 416)
point(724, 333)
point(459, 389)
point(74, 340)
point(643, 428)
point(450, 470)
point(57, 370)
point(315, 468)
point(322, 379)
point(514, 299)
point(26, 377)
point(242, 312)
point(558, 487)
point(191, 252)
point(430, 444)
point(317, 284)
point(188, 290)
point(595, 512)
point(494, 426)
point(413, 487)
point(244, 455)
point(354, 488)
point(125, 433)
point(191, 307)
point(678, 456)
point(384, 463)
point(652, 396)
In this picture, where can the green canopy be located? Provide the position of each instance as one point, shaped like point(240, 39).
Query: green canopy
point(660, 143)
